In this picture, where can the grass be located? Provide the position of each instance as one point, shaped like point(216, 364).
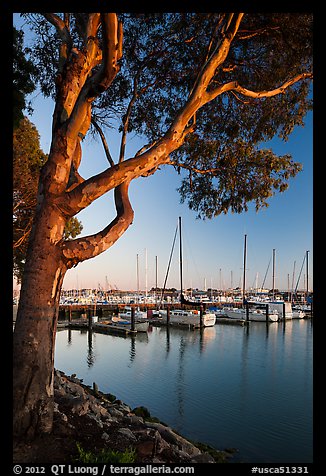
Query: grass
point(106, 456)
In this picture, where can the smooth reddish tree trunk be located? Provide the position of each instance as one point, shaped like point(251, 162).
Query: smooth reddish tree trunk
point(35, 328)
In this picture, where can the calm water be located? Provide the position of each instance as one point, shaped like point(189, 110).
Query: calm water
point(248, 388)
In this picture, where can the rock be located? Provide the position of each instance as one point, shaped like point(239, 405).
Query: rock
point(145, 448)
point(133, 419)
point(124, 408)
point(105, 436)
point(59, 392)
point(96, 418)
point(127, 433)
point(115, 413)
point(202, 458)
point(58, 415)
point(161, 444)
point(79, 405)
point(98, 409)
point(171, 437)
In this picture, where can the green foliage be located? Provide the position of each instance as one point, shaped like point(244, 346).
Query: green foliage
point(72, 229)
point(145, 413)
point(28, 159)
point(141, 412)
point(225, 164)
point(111, 397)
point(23, 73)
point(243, 174)
point(106, 455)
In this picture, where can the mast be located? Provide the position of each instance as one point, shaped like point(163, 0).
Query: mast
point(168, 268)
point(146, 272)
point(182, 299)
point(307, 269)
point(155, 279)
point(244, 269)
point(273, 274)
point(296, 287)
point(181, 283)
point(137, 271)
point(292, 286)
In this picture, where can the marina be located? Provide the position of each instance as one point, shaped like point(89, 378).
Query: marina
point(231, 386)
point(136, 121)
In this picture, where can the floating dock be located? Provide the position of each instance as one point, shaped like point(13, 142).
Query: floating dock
point(113, 329)
point(229, 320)
point(103, 328)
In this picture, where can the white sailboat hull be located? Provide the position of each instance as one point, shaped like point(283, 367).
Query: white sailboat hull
point(258, 315)
point(139, 325)
point(192, 318)
point(138, 315)
point(297, 314)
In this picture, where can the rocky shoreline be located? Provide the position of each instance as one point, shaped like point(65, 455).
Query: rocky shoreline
point(86, 418)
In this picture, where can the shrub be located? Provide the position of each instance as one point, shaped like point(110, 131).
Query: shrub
point(106, 455)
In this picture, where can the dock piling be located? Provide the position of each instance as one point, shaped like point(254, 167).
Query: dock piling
point(90, 320)
point(247, 312)
point(132, 326)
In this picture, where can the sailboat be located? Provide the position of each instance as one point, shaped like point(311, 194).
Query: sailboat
point(192, 317)
point(141, 324)
point(257, 311)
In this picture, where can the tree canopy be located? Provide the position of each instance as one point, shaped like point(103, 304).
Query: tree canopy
point(23, 77)
point(256, 93)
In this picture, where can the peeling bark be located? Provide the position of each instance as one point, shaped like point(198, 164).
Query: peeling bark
point(88, 247)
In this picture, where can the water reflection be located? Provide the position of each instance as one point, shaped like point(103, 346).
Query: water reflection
point(180, 381)
point(207, 336)
point(132, 352)
point(90, 353)
point(256, 382)
point(167, 340)
point(203, 337)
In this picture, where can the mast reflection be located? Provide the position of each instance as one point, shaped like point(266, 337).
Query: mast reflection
point(132, 352)
point(90, 353)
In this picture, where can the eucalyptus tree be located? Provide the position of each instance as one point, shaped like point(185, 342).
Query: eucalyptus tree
point(28, 159)
point(205, 90)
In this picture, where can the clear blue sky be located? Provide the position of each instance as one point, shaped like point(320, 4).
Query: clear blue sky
point(213, 249)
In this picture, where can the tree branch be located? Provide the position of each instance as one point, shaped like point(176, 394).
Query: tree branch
point(127, 118)
point(60, 25)
point(74, 177)
point(111, 53)
point(194, 169)
point(105, 144)
point(81, 249)
point(62, 29)
point(80, 117)
point(85, 193)
point(198, 95)
point(158, 154)
point(234, 86)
